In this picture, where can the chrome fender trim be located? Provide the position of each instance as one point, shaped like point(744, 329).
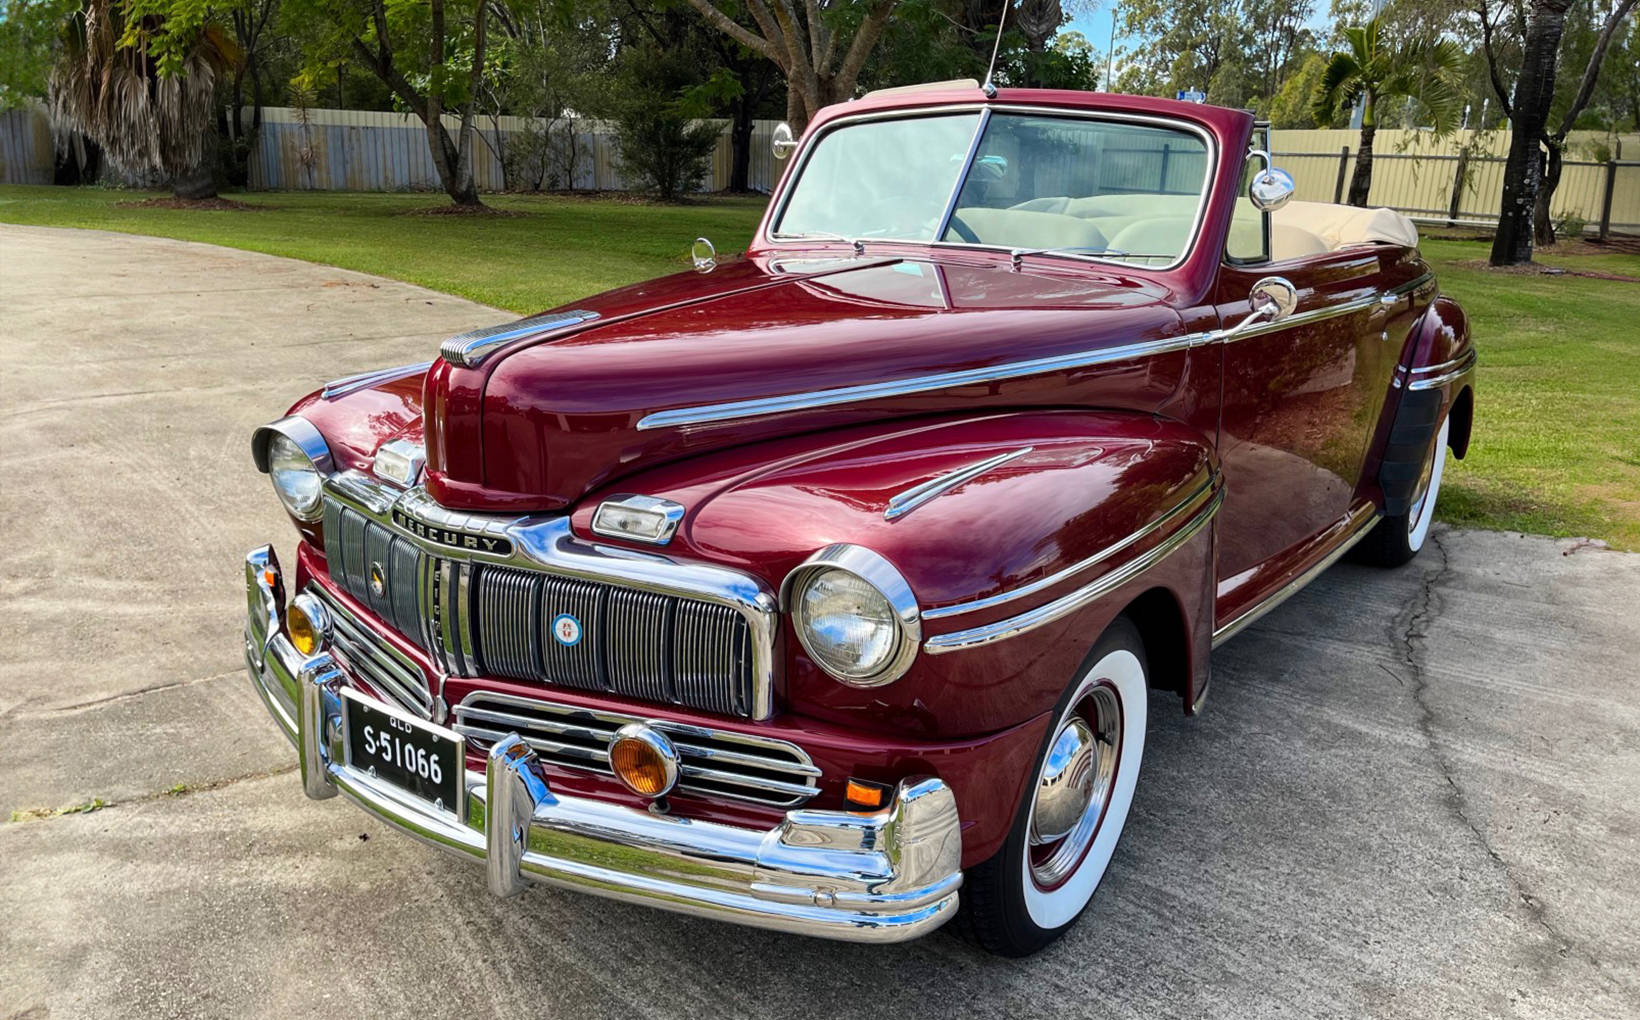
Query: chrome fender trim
point(1099, 587)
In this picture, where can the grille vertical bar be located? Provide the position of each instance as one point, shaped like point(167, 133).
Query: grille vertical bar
point(581, 664)
point(509, 623)
point(639, 625)
point(711, 658)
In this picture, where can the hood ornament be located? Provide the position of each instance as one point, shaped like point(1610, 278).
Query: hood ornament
point(469, 348)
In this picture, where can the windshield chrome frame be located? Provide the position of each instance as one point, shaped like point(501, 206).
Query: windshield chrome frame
point(985, 110)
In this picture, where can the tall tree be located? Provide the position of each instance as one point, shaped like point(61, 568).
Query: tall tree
point(820, 47)
point(430, 61)
point(1370, 71)
point(138, 77)
point(1532, 171)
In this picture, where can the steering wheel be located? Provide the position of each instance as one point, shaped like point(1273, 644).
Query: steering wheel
point(962, 230)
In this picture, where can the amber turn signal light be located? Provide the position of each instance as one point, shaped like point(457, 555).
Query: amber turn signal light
point(307, 624)
point(643, 760)
point(862, 794)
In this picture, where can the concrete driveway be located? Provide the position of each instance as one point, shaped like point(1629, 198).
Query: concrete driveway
point(1414, 793)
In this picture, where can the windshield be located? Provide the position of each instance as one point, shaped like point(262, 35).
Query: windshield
point(1032, 183)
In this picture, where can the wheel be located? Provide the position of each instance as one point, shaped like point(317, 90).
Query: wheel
point(1396, 540)
point(1066, 827)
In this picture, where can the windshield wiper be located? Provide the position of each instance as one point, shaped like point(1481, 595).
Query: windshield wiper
point(1019, 254)
point(821, 235)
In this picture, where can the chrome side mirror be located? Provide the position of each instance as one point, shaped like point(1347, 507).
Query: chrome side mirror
point(1275, 297)
point(704, 255)
point(1271, 189)
point(783, 142)
point(1272, 298)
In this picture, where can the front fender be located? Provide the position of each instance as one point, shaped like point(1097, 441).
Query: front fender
point(1071, 499)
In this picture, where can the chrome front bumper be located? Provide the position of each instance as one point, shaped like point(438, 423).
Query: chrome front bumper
point(886, 876)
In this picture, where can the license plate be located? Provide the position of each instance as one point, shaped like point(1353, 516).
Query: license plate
point(419, 758)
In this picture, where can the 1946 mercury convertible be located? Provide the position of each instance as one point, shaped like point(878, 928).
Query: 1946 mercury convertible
point(805, 588)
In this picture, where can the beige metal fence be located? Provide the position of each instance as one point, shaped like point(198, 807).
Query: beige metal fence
point(1456, 179)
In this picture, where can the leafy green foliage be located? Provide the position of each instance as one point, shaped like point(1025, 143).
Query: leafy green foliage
point(30, 35)
point(1424, 70)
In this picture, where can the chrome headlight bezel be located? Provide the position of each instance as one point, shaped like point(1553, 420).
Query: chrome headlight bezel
point(877, 573)
point(310, 444)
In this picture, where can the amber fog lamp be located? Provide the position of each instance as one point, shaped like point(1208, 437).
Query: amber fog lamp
point(307, 624)
point(644, 760)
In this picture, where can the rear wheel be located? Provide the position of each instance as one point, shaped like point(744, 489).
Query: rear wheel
point(1065, 830)
point(1396, 540)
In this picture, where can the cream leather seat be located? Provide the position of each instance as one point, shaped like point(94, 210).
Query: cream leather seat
point(1029, 228)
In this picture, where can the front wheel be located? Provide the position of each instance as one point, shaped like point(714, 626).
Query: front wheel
point(1066, 828)
point(1396, 539)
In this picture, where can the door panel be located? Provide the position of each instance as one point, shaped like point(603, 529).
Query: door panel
point(1300, 405)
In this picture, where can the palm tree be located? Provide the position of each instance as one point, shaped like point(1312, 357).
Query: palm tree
point(1424, 70)
point(110, 86)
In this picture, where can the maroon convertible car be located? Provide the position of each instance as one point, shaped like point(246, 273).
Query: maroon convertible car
point(812, 588)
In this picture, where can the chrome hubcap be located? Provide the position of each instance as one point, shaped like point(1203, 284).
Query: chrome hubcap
point(1075, 787)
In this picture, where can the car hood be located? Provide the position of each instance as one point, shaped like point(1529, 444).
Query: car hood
point(549, 418)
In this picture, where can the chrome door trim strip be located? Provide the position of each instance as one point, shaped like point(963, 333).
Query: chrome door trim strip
point(1061, 607)
point(469, 348)
point(1189, 503)
point(1365, 516)
point(903, 503)
point(365, 380)
point(1423, 379)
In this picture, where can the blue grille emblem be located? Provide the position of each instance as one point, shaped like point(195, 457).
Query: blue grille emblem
point(566, 630)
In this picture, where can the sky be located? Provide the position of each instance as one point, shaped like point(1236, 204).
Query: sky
point(1092, 19)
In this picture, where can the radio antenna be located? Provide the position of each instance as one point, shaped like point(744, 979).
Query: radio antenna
point(989, 89)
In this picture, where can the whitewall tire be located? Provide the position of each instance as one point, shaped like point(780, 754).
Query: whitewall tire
point(1397, 538)
point(1075, 806)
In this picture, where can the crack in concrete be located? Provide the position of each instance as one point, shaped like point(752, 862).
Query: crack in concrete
point(1412, 630)
point(35, 816)
point(17, 712)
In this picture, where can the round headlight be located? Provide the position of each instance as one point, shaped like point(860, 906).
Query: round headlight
point(295, 478)
point(855, 616)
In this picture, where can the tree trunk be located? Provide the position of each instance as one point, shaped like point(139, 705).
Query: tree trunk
point(796, 116)
point(199, 182)
point(740, 145)
point(1543, 227)
point(1361, 181)
point(1522, 172)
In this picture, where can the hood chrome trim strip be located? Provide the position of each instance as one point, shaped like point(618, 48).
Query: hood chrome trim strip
point(706, 414)
point(903, 503)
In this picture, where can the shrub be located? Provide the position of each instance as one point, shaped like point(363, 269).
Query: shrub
point(663, 150)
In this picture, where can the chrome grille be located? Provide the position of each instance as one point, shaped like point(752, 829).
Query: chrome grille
point(366, 655)
point(352, 544)
point(634, 643)
point(713, 763)
point(481, 619)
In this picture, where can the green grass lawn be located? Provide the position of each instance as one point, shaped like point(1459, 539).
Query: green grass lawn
point(1557, 423)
